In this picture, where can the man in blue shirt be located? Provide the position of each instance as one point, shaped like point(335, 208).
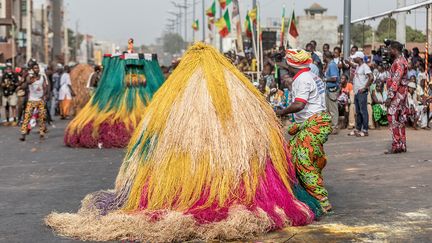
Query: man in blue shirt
point(331, 78)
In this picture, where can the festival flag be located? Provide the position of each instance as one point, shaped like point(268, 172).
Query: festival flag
point(292, 26)
point(248, 26)
point(195, 25)
point(224, 3)
point(224, 25)
point(253, 15)
point(210, 22)
point(211, 12)
point(250, 20)
point(282, 33)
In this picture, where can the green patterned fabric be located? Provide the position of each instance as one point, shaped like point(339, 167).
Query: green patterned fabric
point(379, 115)
point(308, 156)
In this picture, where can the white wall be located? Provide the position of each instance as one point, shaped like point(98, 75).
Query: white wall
point(322, 29)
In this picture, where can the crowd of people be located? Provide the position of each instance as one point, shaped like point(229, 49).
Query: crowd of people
point(356, 90)
point(32, 95)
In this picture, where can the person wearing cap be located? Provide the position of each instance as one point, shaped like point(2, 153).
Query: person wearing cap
point(396, 103)
point(312, 125)
point(362, 80)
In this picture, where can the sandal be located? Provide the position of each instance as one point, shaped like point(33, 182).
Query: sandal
point(353, 133)
point(362, 134)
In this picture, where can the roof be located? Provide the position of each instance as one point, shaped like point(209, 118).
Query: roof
point(316, 6)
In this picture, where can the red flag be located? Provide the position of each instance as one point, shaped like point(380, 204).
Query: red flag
point(292, 27)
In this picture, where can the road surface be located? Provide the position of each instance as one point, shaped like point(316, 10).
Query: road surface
point(376, 197)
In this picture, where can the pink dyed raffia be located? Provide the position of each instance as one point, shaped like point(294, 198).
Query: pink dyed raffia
point(114, 135)
point(271, 196)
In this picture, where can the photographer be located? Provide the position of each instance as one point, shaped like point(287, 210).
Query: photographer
point(396, 103)
point(9, 84)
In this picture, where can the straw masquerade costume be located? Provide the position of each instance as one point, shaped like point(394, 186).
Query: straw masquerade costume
point(207, 162)
point(110, 117)
point(311, 128)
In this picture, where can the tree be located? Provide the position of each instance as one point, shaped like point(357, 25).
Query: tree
point(361, 34)
point(173, 43)
point(384, 32)
point(413, 35)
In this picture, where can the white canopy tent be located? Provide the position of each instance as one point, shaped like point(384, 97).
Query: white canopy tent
point(424, 4)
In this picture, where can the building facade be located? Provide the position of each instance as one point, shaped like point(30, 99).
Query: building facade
point(316, 25)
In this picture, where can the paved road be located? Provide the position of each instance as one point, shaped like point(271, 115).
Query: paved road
point(376, 197)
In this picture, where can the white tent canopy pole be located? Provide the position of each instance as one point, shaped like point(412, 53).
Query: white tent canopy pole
point(395, 11)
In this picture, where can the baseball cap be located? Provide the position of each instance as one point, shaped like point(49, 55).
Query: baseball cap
point(358, 54)
point(412, 85)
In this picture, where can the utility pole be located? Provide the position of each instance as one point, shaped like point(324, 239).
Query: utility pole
point(429, 24)
point(193, 20)
point(45, 33)
point(401, 23)
point(66, 38)
point(76, 41)
point(347, 29)
point(180, 7)
point(13, 41)
point(203, 20)
point(29, 30)
point(220, 37)
point(177, 21)
point(185, 19)
point(56, 6)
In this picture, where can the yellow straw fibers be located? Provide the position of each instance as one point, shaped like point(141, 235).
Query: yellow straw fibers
point(207, 129)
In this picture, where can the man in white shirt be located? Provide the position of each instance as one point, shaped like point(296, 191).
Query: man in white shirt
point(311, 127)
point(65, 93)
point(362, 80)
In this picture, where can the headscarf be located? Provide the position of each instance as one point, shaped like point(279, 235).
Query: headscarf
point(298, 58)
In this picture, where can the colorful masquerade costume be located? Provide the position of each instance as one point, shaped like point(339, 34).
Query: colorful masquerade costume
point(397, 90)
point(311, 129)
point(207, 162)
point(117, 106)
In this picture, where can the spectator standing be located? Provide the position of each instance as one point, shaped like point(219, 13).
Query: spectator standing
point(332, 79)
point(397, 99)
point(422, 75)
point(55, 90)
point(94, 79)
point(362, 80)
point(65, 93)
point(37, 86)
point(415, 58)
point(9, 84)
point(315, 58)
point(337, 58)
point(325, 48)
point(411, 71)
point(314, 49)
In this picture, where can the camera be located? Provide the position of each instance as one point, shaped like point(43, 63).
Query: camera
point(384, 52)
point(278, 56)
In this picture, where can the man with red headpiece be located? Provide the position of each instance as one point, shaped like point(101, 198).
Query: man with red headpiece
point(311, 127)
